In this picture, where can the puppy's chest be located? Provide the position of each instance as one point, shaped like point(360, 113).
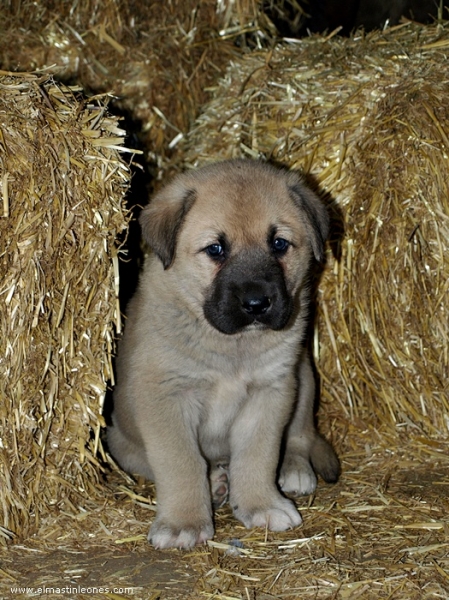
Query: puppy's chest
point(222, 405)
point(229, 392)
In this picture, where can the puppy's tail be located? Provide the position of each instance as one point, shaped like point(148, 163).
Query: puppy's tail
point(324, 460)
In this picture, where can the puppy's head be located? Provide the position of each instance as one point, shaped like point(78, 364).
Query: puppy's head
point(238, 236)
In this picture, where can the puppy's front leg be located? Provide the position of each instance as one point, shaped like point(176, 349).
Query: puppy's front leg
point(255, 446)
point(184, 515)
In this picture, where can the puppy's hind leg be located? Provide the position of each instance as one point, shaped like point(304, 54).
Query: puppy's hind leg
point(307, 453)
point(127, 453)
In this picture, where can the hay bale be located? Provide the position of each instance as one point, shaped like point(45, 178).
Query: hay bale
point(62, 182)
point(368, 119)
point(156, 58)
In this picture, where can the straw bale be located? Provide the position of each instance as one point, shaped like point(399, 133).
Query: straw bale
point(367, 119)
point(62, 182)
point(156, 58)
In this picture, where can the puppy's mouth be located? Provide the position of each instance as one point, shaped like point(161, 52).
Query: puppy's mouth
point(249, 291)
point(248, 308)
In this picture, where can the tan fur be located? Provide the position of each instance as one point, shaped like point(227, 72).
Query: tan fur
point(198, 409)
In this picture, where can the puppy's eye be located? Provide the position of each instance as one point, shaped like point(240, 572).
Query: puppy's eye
point(215, 251)
point(280, 246)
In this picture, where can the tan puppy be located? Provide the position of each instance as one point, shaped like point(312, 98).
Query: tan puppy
point(212, 370)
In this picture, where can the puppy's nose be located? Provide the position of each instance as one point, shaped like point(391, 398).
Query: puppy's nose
point(256, 305)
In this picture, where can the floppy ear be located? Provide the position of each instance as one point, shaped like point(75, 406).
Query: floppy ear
point(317, 218)
point(162, 218)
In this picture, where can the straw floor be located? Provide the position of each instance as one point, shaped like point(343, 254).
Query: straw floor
point(381, 532)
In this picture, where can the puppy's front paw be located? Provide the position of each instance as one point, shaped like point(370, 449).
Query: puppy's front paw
point(281, 515)
point(164, 535)
point(297, 476)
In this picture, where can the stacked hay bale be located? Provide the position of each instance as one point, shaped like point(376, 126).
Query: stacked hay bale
point(155, 58)
point(62, 182)
point(367, 120)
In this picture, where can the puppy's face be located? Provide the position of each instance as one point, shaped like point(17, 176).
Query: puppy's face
point(238, 236)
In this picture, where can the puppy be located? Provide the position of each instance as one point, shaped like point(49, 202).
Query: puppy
point(212, 371)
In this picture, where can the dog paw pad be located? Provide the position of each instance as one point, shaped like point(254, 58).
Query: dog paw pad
point(219, 485)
